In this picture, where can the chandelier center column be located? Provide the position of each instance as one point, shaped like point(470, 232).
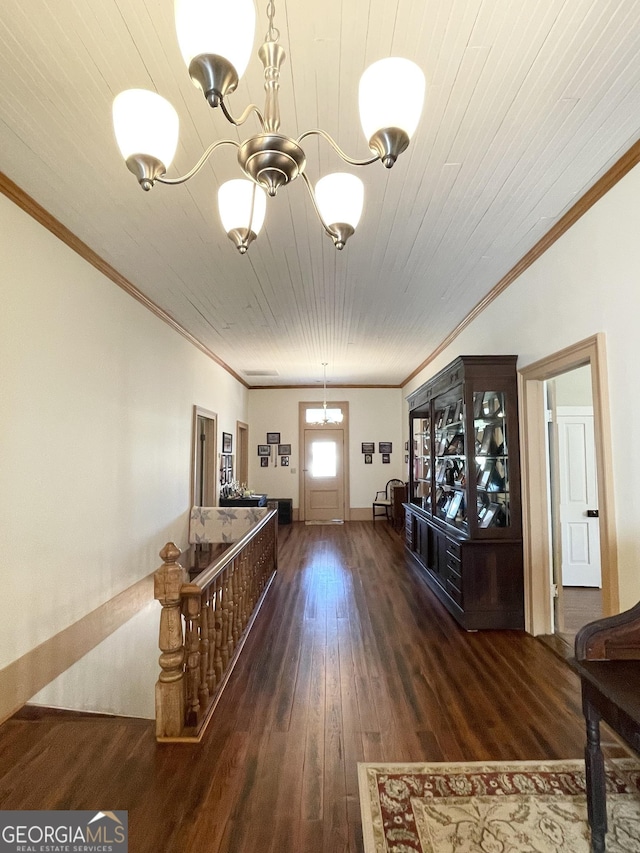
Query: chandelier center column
point(272, 56)
point(271, 159)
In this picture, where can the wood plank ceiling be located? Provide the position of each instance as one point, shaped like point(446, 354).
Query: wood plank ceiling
point(527, 105)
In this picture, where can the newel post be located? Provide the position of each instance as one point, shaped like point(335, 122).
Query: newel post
point(170, 691)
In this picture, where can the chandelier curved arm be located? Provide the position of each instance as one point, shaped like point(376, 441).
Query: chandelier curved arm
point(315, 205)
point(252, 108)
point(200, 162)
point(336, 147)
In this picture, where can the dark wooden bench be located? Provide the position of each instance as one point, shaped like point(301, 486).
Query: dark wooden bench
point(607, 659)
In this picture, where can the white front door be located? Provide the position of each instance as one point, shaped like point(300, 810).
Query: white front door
point(580, 531)
point(324, 474)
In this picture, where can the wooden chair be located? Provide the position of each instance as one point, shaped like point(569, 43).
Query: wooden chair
point(384, 499)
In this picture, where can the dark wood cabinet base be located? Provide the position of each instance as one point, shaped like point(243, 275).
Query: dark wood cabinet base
point(480, 583)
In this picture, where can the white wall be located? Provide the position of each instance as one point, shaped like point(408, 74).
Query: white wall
point(95, 434)
point(573, 388)
point(374, 415)
point(587, 282)
point(117, 677)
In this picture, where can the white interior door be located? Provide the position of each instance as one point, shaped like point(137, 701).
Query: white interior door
point(580, 530)
point(324, 475)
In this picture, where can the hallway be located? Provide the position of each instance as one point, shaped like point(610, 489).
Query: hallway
point(351, 659)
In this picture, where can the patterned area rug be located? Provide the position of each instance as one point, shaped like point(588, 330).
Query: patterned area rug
point(494, 807)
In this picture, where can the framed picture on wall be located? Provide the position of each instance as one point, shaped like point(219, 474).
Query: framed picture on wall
point(226, 468)
point(264, 450)
point(386, 458)
point(384, 446)
point(264, 462)
point(284, 450)
point(368, 447)
point(227, 442)
point(284, 461)
point(273, 438)
point(368, 459)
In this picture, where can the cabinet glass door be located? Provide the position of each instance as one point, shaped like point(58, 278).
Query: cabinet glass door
point(492, 469)
point(421, 480)
point(450, 463)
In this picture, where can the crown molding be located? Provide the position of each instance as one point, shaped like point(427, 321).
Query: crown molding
point(601, 187)
point(317, 387)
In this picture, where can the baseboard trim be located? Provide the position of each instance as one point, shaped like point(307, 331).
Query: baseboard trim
point(37, 713)
point(24, 677)
point(360, 513)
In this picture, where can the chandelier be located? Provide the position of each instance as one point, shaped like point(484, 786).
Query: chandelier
point(331, 416)
point(216, 39)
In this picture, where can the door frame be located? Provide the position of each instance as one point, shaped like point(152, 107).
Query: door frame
point(302, 426)
point(242, 452)
point(553, 464)
point(212, 459)
point(535, 504)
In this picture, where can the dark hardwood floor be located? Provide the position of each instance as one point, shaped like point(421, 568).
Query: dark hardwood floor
point(351, 659)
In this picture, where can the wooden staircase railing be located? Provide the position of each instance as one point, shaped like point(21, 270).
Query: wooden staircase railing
point(204, 625)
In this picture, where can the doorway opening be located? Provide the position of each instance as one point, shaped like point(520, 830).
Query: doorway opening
point(242, 453)
point(324, 464)
point(573, 503)
point(538, 540)
point(204, 458)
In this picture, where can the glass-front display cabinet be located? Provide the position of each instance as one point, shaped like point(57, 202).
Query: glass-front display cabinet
point(463, 513)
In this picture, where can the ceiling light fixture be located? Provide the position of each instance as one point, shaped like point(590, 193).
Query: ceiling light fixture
point(216, 39)
point(331, 416)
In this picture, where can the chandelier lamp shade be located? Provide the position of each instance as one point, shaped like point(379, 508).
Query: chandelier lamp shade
point(216, 39)
point(339, 198)
point(242, 205)
point(224, 30)
point(146, 127)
